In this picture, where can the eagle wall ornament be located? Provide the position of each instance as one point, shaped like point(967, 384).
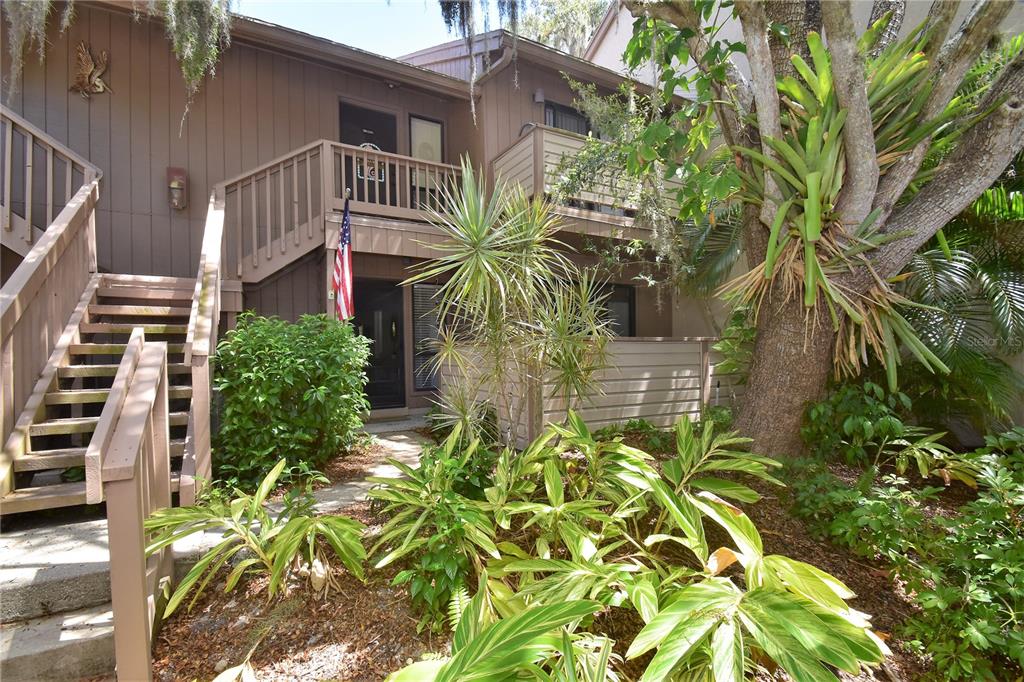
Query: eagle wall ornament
point(89, 74)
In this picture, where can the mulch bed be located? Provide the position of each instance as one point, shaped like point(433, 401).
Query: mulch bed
point(365, 631)
point(360, 632)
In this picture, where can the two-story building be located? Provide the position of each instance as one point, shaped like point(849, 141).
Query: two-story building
point(251, 184)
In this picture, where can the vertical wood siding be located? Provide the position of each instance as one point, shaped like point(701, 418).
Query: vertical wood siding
point(259, 105)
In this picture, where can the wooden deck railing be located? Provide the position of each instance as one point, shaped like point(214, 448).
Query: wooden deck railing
point(273, 211)
point(136, 474)
point(36, 303)
point(386, 184)
point(533, 162)
point(38, 178)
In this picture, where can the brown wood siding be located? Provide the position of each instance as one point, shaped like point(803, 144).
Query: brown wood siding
point(296, 290)
point(504, 108)
point(259, 105)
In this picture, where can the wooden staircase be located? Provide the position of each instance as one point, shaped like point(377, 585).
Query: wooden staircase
point(52, 435)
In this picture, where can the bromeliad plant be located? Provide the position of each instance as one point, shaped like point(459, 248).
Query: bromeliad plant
point(257, 540)
point(808, 245)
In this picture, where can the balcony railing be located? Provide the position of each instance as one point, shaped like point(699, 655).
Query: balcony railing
point(533, 162)
point(275, 212)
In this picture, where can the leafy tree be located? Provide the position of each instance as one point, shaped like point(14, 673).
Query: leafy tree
point(565, 25)
point(852, 157)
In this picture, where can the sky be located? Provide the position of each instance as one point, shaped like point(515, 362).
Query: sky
point(390, 28)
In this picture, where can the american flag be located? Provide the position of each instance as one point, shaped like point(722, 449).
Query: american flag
point(343, 269)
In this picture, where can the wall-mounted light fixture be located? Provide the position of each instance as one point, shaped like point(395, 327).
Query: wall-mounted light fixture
point(538, 96)
point(177, 185)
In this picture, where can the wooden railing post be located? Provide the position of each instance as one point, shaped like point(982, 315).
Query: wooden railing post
point(705, 374)
point(136, 481)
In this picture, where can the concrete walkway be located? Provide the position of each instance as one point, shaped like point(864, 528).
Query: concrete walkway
point(55, 580)
point(403, 446)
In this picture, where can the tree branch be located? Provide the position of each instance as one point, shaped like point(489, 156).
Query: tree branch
point(766, 96)
point(955, 58)
point(892, 29)
point(861, 181)
point(683, 15)
point(940, 18)
point(979, 158)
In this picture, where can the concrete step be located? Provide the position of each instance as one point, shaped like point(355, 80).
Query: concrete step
point(48, 569)
point(64, 646)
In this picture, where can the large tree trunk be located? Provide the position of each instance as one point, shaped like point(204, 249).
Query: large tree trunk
point(790, 367)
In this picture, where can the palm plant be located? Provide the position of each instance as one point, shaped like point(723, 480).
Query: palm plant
point(513, 307)
point(971, 277)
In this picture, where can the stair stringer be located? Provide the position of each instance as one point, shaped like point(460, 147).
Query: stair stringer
point(298, 243)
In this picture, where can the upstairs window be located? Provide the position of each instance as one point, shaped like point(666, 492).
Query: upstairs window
point(565, 118)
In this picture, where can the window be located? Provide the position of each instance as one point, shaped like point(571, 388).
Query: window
point(565, 118)
point(425, 139)
point(424, 333)
point(620, 308)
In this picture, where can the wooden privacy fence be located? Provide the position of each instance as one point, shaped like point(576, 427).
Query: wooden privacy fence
point(657, 379)
point(38, 178)
point(136, 478)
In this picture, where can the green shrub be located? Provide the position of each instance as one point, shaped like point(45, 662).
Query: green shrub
point(577, 517)
point(432, 526)
point(291, 391)
point(853, 421)
point(964, 570)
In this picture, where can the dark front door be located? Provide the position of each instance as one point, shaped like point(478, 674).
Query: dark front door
point(379, 318)
point(373, 130)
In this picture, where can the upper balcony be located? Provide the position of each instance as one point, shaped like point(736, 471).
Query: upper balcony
point(601, 210)
point(278, 211)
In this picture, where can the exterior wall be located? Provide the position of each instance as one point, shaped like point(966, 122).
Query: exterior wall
point(504, 108)
point(260, 105)
point(296, 290)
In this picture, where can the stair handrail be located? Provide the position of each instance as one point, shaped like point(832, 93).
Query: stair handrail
point(33, 300)
point(136, 481)
point(200, 343)
point(11, 123)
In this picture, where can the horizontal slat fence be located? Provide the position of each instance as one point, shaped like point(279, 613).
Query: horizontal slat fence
point(658, 379)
